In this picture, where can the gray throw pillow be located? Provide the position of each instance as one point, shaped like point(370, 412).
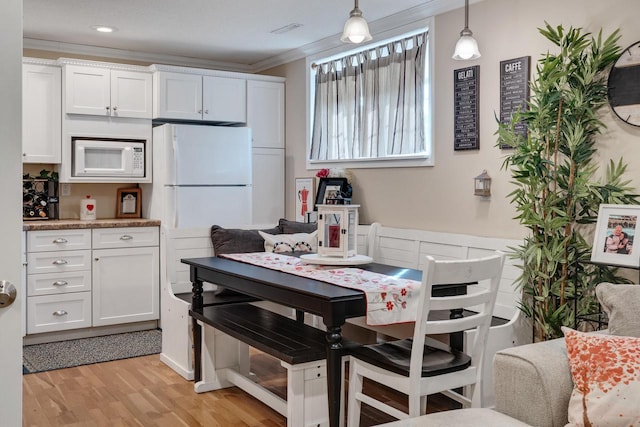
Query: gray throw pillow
point(290, 227)
point(622, 305)
point(235, 240)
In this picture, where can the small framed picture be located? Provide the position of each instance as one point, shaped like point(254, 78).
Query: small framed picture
point(305, 189)
point(129, 203)
point(330, 188)
point(616, 229)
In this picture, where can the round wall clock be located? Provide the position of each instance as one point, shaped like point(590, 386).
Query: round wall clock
point(624, 85)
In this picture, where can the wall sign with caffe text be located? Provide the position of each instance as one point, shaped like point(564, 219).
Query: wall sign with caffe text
point(514, 91)
point(466, 92)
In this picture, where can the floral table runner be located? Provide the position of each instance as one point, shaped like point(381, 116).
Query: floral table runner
point(389, 299)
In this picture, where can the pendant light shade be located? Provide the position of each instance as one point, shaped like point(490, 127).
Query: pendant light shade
point(356, 29)
point(467, 46)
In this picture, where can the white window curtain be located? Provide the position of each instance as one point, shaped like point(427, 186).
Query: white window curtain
point(370, 105)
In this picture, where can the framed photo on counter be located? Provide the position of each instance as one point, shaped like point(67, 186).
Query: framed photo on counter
point(129, 203)
point(329, 188)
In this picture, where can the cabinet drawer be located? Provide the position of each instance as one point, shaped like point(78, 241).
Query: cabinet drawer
point(58, 262)
point(58, 312)
point(108, 238)
point(58, 283)
point(58, 240)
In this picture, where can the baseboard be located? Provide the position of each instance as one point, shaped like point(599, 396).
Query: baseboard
point(88, 332)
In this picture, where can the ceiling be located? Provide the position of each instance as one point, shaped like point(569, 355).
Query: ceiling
point(232, 34)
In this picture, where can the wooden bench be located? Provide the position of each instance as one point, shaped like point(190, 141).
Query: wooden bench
point(286, 339)
point(212, 298)
point(300, 348)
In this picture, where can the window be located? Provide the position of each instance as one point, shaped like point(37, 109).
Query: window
point(372, 106)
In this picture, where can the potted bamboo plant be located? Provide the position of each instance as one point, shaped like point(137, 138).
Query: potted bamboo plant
point(557, 192)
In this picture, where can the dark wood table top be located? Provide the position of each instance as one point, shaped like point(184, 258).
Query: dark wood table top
point(278, 286)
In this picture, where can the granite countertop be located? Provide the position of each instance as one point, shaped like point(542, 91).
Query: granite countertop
point(66, 224)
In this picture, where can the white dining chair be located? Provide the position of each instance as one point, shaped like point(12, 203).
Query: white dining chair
point(420, 366)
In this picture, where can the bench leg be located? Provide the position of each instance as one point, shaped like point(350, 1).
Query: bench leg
point(218, 352)
point(307, 394)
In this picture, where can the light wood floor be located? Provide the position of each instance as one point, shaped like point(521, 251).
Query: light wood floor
point(143, 391)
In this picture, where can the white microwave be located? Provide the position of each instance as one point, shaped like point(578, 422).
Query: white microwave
point(108, 157)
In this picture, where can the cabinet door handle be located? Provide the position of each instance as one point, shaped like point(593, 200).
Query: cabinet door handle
point(126, 237)
point(60, 240)
point(60, 313)
point(107, 107)
point(206, 111)
point(59, 262)
point(199, 111)
point(60, 283)
point(115, 108)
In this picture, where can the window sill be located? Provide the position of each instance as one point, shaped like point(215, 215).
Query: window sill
point(407, 162)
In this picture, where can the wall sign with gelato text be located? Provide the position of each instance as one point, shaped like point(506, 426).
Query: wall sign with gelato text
point(466, 101)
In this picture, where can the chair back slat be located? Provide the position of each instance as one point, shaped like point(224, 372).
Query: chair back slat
point(459, 301)
point(465, 270)
point(453, 325)
point(453, 272)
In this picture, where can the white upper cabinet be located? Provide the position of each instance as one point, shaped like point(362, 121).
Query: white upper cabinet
point(131, 94)
point(265, 113)
point(41, 113)
point(102, 91)
point(177, 96)
point(224, 99)
point(184, 96)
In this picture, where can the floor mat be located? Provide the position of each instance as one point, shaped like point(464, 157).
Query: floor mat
point(85, 351)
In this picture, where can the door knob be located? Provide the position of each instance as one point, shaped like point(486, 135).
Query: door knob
point(7, 293)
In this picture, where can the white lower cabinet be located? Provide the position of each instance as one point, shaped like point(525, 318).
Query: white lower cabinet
point(50, 313)
point(126, 275)
point(80, 278)
point(125, 285)
point(58, 280)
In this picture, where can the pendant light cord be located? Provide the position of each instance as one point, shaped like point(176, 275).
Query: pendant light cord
point(466, 14)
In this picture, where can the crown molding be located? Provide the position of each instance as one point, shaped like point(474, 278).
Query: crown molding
point(143, 57)
point(389, 26)
point(213, 72)
point(39, 61)
point(101, 64)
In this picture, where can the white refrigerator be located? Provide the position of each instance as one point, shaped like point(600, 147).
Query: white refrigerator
point(201, 176)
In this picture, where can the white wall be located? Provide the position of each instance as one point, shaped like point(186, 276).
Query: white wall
point(440, 198)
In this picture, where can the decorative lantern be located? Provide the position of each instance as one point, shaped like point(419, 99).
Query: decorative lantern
point(337, 230)
point(483, 184)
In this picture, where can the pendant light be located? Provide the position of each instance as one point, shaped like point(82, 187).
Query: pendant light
point(467, 46)
point(356, 29)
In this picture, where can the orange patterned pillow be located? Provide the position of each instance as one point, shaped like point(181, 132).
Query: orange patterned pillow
point(606, 378)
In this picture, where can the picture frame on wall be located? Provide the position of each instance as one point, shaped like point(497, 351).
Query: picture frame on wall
point(613, 242)
point(514, 92)
point(129, 203)
point(304, 197)
point(466, 111)
point(330, 188)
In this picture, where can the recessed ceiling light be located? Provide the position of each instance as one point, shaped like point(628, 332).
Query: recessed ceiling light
point(104, 28)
